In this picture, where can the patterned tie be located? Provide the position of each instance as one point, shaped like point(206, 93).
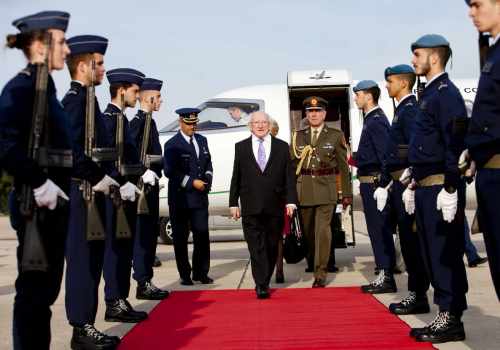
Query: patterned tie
point(261, 155)
point(315, 138)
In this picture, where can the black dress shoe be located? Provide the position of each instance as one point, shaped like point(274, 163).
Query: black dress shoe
point(262, 292)
point(157, 262)
point(120, 310)
point(187, 281)
point(411, 305)
point(445, 328)
point(203, 280)
point(280, 277)
point(148, 291)
point(478, 261)
point(319, 283)
point(333, 268)
point(414, 332)
point(384, 283)
point(88, 337)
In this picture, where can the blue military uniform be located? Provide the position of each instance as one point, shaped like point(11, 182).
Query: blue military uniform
point(147, 224)
point(369, 160)
point(483, 142)
point(183, 163)
point(433, 154)
point(36, 291)
point(396, 161)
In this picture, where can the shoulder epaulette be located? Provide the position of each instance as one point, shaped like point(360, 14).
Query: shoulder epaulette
point(442, 85)
point(26, 72)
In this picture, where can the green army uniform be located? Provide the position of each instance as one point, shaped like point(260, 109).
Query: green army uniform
point(317, 164)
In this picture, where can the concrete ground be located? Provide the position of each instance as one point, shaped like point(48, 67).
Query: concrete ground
point(482, 319)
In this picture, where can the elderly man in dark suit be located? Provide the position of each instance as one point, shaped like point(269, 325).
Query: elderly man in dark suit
point(264, 181)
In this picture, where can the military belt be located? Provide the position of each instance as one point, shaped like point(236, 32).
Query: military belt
point(431, 180)
point(370, 179)
point(397, 174)
point(318, 172)
point(55, 158)
point(104, 154)
point(493, 163)
point(131, 169)
point(153, 159)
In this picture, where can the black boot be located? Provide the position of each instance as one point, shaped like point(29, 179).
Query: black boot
point(89, 338)
point(120, 310)
point(148, 291)
point(384, 283)
point(411, 305)
point(444, 328)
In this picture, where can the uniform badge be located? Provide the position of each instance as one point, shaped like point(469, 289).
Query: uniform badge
point(442, 85)
point(487, 67)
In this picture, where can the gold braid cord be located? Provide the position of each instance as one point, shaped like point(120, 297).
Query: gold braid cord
point(307, 152)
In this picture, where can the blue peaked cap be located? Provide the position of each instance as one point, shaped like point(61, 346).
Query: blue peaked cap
point(398, 69)
point(364, 85)
point(151, 84)
point(430, 41)
point(188, 115)
point(42, 21)
point(125, 75)
point(82, 44)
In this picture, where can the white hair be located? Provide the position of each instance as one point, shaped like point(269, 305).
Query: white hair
point(267, 116)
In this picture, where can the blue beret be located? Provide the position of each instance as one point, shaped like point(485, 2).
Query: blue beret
point(467, 2)
point(87, 44)
point(188, 115)
point(151, 84)
point(125, 75)
point(364, 85)
point(399, 69)
point(43, 20)
point(430, 41)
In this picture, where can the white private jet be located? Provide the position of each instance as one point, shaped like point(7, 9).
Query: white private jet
point(283, 102)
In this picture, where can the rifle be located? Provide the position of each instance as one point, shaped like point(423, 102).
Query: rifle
point(34, 255)
point(420, 88)
point(122, 226)
point(94, 226)
point(142, 203)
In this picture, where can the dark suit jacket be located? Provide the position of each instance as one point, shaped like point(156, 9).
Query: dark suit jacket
point(262, 192)
point(180, 164)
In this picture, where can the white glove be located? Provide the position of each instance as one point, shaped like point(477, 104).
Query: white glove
point(464, 157)
point(409, 201)
point(128, 192)
point(104, 185)
point(47, 194)
point(380, 195)
point(405, 176)
point(447, 203)
point(149, 177)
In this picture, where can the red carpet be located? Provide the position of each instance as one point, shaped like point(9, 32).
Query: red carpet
point(330, 318)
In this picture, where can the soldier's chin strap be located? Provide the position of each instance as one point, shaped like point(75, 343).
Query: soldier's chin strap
point(307, 152)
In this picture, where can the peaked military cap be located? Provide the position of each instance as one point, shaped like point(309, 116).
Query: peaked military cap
point(399, 69)
point(364, 85)
point(151, 84)
point(125, 75)
point(315, 102)
point(188, 115)
point(430, 41)
point(81, 44)
point(42, 20)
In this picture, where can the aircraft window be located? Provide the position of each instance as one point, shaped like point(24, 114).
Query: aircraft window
point(222, 115)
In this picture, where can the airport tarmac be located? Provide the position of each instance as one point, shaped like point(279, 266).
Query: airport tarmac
point(228, 262)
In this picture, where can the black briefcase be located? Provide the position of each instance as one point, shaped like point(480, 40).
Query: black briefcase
point(294, 248)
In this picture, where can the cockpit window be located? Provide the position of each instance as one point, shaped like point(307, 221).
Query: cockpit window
point(223, 114)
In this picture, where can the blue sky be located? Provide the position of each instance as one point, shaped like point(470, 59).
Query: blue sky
point(201, 48)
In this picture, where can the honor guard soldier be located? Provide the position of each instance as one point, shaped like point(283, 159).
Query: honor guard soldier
point(85, 242)
point(145, 134)
point(369, 160)
point(188, 165)
point(400, 80)
point(121, 208)
point(35, 149)
point(433, 154)
point(483, 137)
point(318, 151)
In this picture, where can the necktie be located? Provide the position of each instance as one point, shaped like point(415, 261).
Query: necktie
point(315, 138)
point(192, 145)
point(261, 155)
